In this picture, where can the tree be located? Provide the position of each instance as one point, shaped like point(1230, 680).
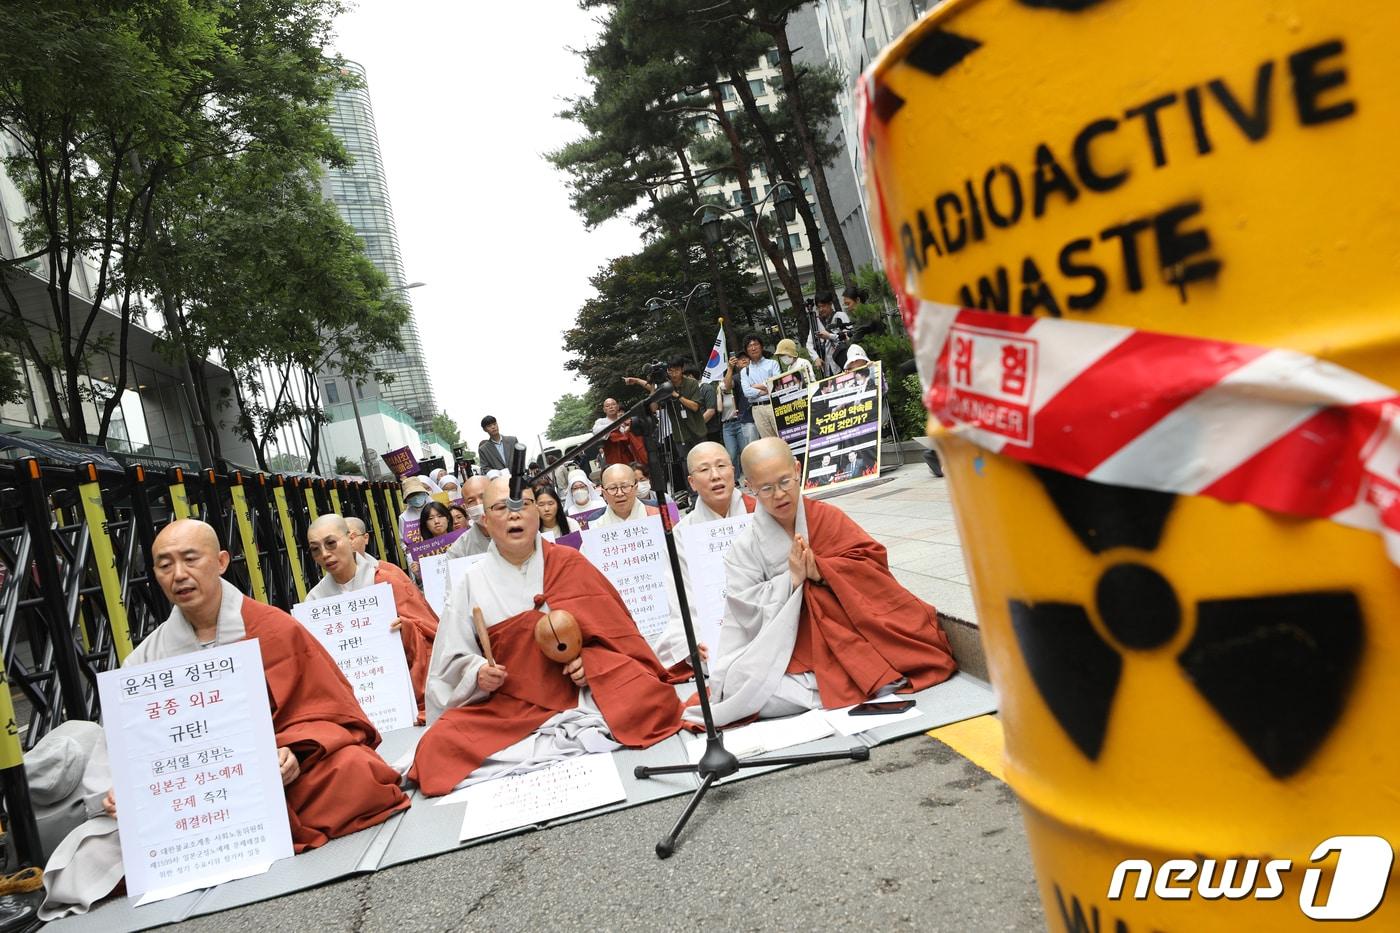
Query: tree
point(275, 283)
point(444, 427)
point(109, 105)
point(573, 414)
point(286, 463)
point(344, 466)
point(771, 16)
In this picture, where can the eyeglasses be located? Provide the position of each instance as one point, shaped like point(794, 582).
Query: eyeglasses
point(501, 508)
point(785, 485)
point(617, 489)
point(711, 469)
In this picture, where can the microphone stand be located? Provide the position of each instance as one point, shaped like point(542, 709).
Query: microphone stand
point(717, 761)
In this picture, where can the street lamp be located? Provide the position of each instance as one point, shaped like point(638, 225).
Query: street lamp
point(366, 455)
point(656, 303)
point(711, 221)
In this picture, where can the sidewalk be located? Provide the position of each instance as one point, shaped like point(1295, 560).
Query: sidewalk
point(911, 515)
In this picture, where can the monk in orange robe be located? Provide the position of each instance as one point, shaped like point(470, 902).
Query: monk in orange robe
point(347, 570)
point(334, 781)
point(813, 616)
point(525, 711)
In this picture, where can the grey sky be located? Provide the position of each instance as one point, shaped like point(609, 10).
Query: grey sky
point(464, 97)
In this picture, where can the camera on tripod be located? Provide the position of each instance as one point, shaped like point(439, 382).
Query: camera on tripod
point(656, 372)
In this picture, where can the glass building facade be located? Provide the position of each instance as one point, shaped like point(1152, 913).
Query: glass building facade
point(361, 193)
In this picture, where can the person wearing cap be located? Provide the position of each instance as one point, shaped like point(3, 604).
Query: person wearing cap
point(415, 496)
point(793, 362)
point(857, 358)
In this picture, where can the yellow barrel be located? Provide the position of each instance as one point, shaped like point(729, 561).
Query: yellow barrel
point(1191, 689)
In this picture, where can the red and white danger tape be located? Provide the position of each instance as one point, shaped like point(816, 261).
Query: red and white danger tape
point(1274, 428)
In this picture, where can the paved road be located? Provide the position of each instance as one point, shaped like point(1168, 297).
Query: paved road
point(916, 838)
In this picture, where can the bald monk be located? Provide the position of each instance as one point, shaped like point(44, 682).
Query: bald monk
point(623, 445)
point(334, 781)
point(711, 476)
point(328, 539)
point(525, 711)
point(813, 616)
point(359, 534)
point(475, 540)
point(619, 484)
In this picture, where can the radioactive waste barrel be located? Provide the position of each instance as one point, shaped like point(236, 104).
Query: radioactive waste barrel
point(1149, 253)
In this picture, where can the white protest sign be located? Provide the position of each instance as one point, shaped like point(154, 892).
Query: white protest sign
point(194, 770)
point(633, 558)
point(570, 786)
point(354, 628)
point(704, 546)
point(441, 573)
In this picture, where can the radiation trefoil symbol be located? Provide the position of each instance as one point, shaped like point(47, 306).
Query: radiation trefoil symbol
point(1276, 667)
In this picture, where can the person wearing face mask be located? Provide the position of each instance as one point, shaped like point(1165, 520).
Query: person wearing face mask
point(791, 362)
point(475, 540)
point(583, 504)
point(644, 495)
point(415, 496)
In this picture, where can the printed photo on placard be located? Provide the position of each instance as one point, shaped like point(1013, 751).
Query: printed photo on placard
point(843, 434)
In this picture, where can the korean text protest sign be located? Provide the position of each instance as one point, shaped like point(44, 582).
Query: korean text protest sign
point(790, 410)
point(633, 558)
point(194, 770)
point(843, 437)
point(354, 628)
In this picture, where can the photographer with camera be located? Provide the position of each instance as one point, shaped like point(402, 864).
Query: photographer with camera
point(684, 413)
point(829, 329)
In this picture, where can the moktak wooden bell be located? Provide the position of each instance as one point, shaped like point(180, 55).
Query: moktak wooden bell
point(557, 634)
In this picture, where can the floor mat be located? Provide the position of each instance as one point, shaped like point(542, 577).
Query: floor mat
point(427, 829)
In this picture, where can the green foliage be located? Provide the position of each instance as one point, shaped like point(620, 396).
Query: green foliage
point(907, 406)
point(344, 466)
point(444, 427)
point(286, 463)
point(573, 414)
point(111, 107)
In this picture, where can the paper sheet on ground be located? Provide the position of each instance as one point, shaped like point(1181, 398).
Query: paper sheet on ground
point(570, 786)
point(843, 722)
point(768, 735)
point(441, 573)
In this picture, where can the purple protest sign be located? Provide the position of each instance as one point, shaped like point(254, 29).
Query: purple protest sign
point(401, 462)
point(417, 550)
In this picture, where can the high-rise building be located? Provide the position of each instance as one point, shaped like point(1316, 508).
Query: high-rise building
point(848, 35)
point(361, 192)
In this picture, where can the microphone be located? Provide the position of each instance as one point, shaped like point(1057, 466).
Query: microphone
point(516, 501)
